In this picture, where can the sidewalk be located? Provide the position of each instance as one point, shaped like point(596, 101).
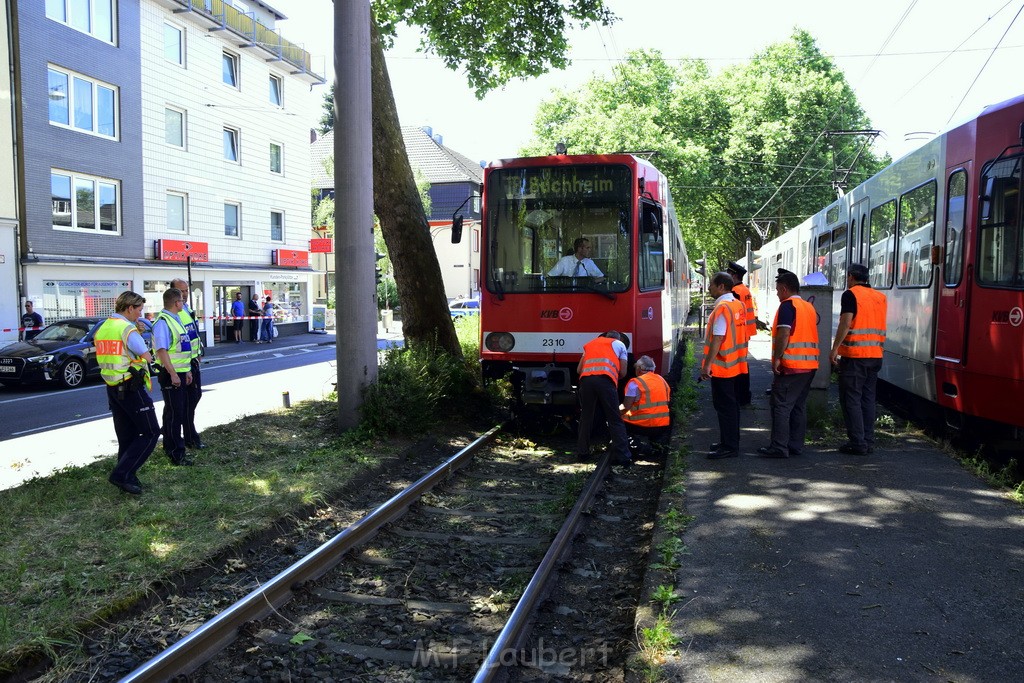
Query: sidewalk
point(896, 566)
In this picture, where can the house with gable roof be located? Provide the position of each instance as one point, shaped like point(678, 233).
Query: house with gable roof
point(454, 187)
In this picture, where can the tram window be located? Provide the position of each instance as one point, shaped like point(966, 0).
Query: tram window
point(953, 267)
point(651, 267)
point(881, 259)
point(916, 235)
point(821, 256)
point(1000, 261)
point(838, 271)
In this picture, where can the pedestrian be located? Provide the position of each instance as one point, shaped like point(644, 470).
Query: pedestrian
point(267, 329)
point(31, 322)
point(124, 366)
point(647, 410)
point(238, 313)
point(794, 362)
point(255, 318)
point(858, 346)
point(174, 358)
point(743, 295)
point(601, 366)
point(194, 391)
point(725, 358)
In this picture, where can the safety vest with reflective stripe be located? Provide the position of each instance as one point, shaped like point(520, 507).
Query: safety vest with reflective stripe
point(189, 323)
point(180, 351)
point(112, 354)
point(599, 359)
point(651, 408)
point(866, 337)
point(802, 351)
point(732, 355)
point(742, 293)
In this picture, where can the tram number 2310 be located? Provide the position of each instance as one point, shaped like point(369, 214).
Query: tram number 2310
point(553, 342)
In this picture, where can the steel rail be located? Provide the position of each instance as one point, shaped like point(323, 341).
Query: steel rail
point(496, 665)
point(197, 648)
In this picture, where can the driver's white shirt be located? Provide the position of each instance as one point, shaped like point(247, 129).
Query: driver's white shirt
point(570, 266)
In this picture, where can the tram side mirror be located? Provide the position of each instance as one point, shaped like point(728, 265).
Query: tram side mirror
point(668, 265)
point(457, 229)
point(986, 199)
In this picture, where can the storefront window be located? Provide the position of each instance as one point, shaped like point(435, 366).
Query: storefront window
point(291, 304)
point(73, 298)
point(154, 290)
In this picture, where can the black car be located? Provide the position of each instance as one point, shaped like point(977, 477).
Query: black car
point(63, 351)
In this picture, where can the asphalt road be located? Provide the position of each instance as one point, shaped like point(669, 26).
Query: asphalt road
point(45, 428)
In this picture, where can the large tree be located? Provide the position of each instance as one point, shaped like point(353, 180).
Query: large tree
point(493, 42)
point(747, 143)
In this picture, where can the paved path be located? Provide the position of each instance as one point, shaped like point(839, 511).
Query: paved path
point(897, 566)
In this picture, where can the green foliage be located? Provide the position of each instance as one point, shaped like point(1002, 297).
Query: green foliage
point(665, 595)
point(323, 213)
point(726, 141)
point(387, 293)
point(493, 41)
point(413, 389)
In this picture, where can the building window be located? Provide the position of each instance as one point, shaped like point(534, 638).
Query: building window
point(276, 86)
point(277, 226)
point(93, 206)
point(276, 158)
point(95, 17)
point(174, 127)
point(177, 212)
point(174, 44)
point(82, 103)
point(232, 214)
point(230, 69)
point(231, 144)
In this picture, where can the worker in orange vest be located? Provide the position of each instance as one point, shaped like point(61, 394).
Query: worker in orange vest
point(601, 366)
point(858, 346)
point(647, 409)
point(794, 362)
point(725, 358)
point(743, 295)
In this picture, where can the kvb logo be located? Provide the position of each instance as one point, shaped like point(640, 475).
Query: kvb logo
point(565, 315)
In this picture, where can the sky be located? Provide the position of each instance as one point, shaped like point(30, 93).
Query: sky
point(918, 66)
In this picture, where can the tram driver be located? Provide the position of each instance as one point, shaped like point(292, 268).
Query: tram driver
point(578, 263)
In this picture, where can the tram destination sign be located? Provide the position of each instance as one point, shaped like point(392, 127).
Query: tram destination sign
point(557, 183)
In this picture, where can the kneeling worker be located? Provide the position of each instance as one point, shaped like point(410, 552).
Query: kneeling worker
point(600, 368)
point(647, 409)
point(124, 360)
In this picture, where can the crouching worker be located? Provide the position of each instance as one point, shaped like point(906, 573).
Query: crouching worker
point(124, 366)
point(647, 411)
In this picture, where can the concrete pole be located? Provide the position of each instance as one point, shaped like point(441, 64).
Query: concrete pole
point(355, 292)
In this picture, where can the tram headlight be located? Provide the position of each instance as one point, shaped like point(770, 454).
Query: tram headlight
point(500, 341)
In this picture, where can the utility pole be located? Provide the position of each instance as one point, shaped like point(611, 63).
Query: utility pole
point(355, 297)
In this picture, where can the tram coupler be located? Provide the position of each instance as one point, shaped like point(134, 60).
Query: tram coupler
point(549, 385)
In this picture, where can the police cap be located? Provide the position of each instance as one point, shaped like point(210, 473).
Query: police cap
point(736, 269)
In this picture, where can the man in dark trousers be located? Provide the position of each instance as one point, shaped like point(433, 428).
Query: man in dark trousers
point(725, 357)
point(601, 366)
point(255, 314)
point(174, 356)
point(743, 295)
point(194, 391)
point(31, 322)
point(794, 362)
point(857, 350)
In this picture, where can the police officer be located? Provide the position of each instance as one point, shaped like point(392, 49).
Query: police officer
point(647, 408)
point(794, 361)
point(725, 358)
point(743, 295)
point(858, 345)
point(194, 391)
point(601, 366)
point(174, 358)
point(124, 360)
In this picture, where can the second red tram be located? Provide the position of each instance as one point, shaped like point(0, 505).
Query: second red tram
point(534, 318)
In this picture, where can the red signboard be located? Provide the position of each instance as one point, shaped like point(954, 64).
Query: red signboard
point(321, 245)
point(291, 257)
point(182, 250)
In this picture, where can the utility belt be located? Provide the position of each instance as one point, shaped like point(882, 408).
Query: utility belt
point(164, 377)
point(135, 382)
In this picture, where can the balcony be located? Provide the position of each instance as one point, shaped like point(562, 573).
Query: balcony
point(248, 32)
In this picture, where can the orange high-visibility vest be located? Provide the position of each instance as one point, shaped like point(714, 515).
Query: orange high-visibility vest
point(802, 351)
point(866, 337)
point(599, 359)
point(651, 408)
point(732, 355)
point(742, 292)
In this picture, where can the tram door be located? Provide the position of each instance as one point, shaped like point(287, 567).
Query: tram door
point(953, 306)
point(860, 232)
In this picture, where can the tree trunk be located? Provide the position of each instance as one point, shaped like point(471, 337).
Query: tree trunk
point(425, 316)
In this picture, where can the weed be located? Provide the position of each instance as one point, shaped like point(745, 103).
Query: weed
point(655, 643)
point(665, 595)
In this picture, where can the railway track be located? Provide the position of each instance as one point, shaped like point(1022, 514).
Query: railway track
point(440, 582)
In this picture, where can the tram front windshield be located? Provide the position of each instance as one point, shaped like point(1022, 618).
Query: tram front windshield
point(537, 217)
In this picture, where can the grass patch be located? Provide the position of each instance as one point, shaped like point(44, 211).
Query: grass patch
point(655, 644)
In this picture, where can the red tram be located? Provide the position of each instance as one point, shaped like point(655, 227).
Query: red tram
point(955, 334)
point(535, 316)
